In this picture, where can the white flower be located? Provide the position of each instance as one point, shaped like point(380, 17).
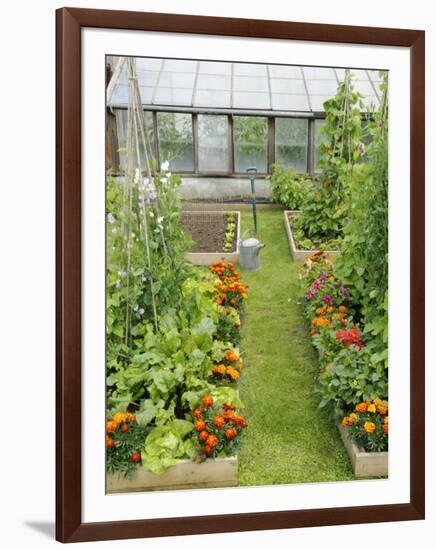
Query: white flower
point(160, 219)
point(122, 273)
point(165, 165)
point(137, 176)
point(110, 218)
point(118, 284)
point(164, 180)
point(114, 230)
point(142, 311)
point(151, 214)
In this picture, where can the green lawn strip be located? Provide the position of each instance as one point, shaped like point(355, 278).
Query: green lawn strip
point(289, 440)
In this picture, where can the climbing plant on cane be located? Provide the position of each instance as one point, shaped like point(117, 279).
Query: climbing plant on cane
point(324, 210)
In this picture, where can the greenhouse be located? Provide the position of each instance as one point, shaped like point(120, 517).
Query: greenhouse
point(213, 120)
point(246, 274)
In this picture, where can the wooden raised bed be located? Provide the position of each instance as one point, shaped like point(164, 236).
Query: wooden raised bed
point(218, 472)
point(298, 254)
point(364, 464)
point(207, 257)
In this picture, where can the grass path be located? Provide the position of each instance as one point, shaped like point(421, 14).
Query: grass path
point(289, 439)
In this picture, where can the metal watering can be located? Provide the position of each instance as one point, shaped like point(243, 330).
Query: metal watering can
point(249, 254)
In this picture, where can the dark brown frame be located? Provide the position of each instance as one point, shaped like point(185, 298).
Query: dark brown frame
point(69, 526)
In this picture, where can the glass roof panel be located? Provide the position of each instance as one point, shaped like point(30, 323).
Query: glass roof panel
point(249, 69)
point(319, 73)
point(323, 87)
point(213, 82)
point(286, 85)
point(147, 78)
point(251, 86)
point(282, 71)
point(290, 102)
point(251, 100)
point(148, 64)
point(176, 80)
point(173, 96)
point(212, 98)
point(317, 102)
point(215, 67)
point(180, 65)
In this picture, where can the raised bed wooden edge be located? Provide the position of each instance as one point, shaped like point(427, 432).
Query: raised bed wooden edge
point(297, 254)
point(365, 464)
point(206, 258)
point(186, 474)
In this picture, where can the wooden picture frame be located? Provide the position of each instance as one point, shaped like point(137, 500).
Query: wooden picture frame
point(69, 22)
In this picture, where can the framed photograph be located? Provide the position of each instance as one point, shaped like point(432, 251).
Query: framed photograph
point(240, 274)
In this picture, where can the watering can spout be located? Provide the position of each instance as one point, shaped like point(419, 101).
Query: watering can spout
point(259, 247)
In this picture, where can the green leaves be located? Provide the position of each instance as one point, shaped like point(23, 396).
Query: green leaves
point(165, 445)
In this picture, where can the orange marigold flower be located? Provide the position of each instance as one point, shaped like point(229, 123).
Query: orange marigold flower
point(320, 311)
point(345, 421)
point(240, 366)
point(369, 427)
point(131, 418)
point(219, 369)
point(111, 426)
point(313, 331)
point(208, 449)
point(119, 417)
point(377, 401)
point(197, 412)
point(382, 409)
point(240, 420)
point(110, 443)
point(230, 433)
point(125, 428)
point(219, 421)
point(212, 440)
point(231, 355)
point(228, 406)
point(200, 425)
point(342, 309)
point(386, 419)
point(385, 428)
point(207, 401)
point(362, 407)
point(203, 435)
point(233, 373)
point(135, 457)
point(228, 415)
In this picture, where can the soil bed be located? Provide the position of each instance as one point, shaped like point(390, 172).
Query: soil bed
point(208, 230)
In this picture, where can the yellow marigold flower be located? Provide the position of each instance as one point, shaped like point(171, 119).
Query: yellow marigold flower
point(330, 309)
point(353, 418)
point(369, 427)
point(377, 401)
point(386, 420)
point(372, 408)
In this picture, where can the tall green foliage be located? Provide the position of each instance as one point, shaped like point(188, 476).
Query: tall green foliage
point(325, 211)
point(363, 264)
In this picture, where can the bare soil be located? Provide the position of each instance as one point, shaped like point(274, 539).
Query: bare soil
point(208, 230)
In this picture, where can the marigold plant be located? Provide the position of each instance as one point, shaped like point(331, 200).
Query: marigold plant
point(219, 428)
point(368, 425)
point(124, 440)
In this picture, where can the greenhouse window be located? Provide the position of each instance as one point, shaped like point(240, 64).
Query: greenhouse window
point(176, 144)
point(291, 142)
point(213, 143)
point(250, 136)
